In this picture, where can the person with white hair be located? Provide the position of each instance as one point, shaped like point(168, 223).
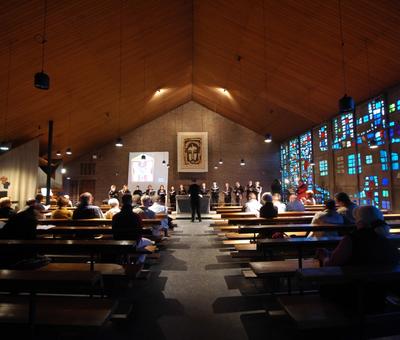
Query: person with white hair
point(367, 245)
point(114, 204)
point(268, 209)
point(252, 205)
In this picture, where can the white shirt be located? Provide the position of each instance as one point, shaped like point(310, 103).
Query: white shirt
point(281, 206)
point(160, 209)
point(253, 206)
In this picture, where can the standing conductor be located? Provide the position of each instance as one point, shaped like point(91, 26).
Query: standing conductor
point(194, 193)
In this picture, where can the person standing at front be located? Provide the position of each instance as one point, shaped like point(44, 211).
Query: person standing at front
point(194, 193)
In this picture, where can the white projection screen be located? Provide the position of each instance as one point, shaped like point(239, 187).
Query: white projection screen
point(148, 168)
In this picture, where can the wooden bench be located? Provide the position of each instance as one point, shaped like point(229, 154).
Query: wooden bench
point(313, 311)
point(278, 269)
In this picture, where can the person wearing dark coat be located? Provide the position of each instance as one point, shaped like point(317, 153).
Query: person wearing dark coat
point(194, 192)
point(5, 208)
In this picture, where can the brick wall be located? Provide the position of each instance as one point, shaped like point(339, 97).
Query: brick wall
point(226, 140)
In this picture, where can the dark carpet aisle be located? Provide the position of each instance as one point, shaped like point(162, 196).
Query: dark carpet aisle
point(195, 292)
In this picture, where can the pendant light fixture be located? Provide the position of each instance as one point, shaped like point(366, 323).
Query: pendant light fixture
point(346, 103)
point(58, 154)
point(118, 142)
point(68, 152)
point(4, 145)
point(41, 79)
point(268, 137)
point(242, 162)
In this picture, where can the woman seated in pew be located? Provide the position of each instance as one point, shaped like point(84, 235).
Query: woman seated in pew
point(114, 204)
point(367, 245)
point(252, 205)
point(62, 212)
point(294, 204)
point(346, 207)
point(327, 216)
point(5, 208)
point(127, 225)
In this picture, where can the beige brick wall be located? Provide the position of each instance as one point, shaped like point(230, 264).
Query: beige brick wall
point(226, 139)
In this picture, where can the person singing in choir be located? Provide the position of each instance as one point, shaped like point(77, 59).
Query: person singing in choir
point(227, 194)
point(214, 194)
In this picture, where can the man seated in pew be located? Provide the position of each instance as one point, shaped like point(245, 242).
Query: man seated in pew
point(39, 200)
point(136, 201)
point(127, 225)
point(137, 191)
point(114, 204)
point(328, 216)
point(62, 212)
point(346, 207)
point(85, 208)
point(268, 209)
point(143, 210)
point(22, 226)
point(276, 200)
point(252, 205)
point(5, 208)
point(159, 207)
point(294, 204)
point(367, 245)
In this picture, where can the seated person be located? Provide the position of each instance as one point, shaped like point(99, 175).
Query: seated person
point(309, 199)
point(39, 200)
point(276, 199)
point(85, 209)
point(114, 204)
point(346, 207)
point(138, 191)
point(252, 205)
point(69, 201)
point(367, 245)
point(22, 226)
point(327, 216)
point(5, 208)
point(268, 209)
point(294, 204)
point(159, 207)
point(135, 201)
point(62, 212)
point(127, 225)
point(143, 210)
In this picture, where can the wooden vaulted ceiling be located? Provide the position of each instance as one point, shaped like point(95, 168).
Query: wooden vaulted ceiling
point(283, 84)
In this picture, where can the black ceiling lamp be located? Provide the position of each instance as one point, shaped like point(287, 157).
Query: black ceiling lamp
point(346, 103)
point(58, 154)
point(41, 79)
point(268, 138)
point(242, 162)
point(6, 145)
point(143, 157)
point(118, 142)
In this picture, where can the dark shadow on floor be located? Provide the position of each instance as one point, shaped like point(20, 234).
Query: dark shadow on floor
point(234, 304)
point(219, 266)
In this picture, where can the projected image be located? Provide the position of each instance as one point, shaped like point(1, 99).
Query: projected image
point(142, 168)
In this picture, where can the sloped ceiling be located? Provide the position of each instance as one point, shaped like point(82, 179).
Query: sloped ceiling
point(283, 84)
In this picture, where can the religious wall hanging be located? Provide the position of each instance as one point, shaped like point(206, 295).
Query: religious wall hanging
point(192, 151)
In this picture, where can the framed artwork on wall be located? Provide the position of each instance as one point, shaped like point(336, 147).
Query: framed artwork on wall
point(192, 151)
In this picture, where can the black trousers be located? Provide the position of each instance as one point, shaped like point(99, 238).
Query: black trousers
point(195, 207)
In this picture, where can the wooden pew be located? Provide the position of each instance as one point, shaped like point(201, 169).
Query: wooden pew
point(52, 310)
point(301, 243)
point(312, 311)
point(55, 246)
point(95, 221)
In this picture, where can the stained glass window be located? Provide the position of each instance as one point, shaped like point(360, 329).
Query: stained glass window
point(284, 164)
point(321, 194)
point(323, 138)
point(383, 157)
point(343, 131)
point(394, 124)
point(306, 166)
point(351, 164)
point(340, 165)
point(395, 161)
point(294, 161)
point(375, 192)
point(371, 126)
point(323, 168)
point(368, 159)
